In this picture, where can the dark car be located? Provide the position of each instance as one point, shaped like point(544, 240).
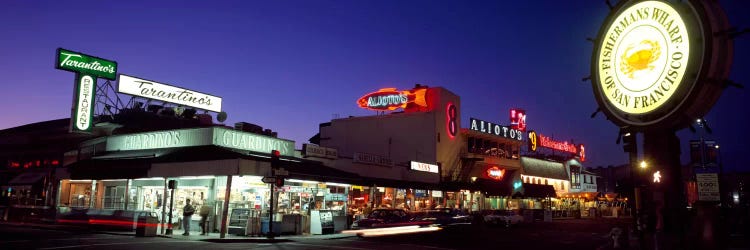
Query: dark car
point(443, 216)
point(386, 218)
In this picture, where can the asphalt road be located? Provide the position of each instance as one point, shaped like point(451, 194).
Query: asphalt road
point(569, 234)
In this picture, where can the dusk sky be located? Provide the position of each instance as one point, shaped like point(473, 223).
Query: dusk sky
point(290, 65)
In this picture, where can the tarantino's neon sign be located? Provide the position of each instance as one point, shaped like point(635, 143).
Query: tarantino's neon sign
point(547, 142)
point(163, 92)
point(391, 99)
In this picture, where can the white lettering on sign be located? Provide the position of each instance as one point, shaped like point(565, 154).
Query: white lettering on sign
point(200, 137)
point(424, 167)
point(86, 89)
point(163, 92)
point(252, 142)
point(495, 129)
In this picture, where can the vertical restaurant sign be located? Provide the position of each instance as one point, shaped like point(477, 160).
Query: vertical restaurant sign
point(495, 129)
point(388, 99)
point(86, 64)
point(518, 119)
point(164, 92)
point(88, 69)
point(495, 173)
point(84, 105)
point(312, 150)
point(424, 167)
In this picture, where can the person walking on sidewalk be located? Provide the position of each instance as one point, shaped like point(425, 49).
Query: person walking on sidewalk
point(187, 212)
point(205, 210)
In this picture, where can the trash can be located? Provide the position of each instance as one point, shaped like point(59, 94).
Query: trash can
point(146, 225)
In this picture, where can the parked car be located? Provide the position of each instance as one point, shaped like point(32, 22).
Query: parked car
point(443, 216)
point(503, 217)
point(386, 217)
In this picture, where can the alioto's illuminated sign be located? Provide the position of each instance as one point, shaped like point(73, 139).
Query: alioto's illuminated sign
point(495, 129)
point(518, 119)
point(391, 99)
point(495, 173)
point(424, 167)
point(164, 92)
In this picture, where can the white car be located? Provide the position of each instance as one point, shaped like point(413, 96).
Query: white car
point(503, 217)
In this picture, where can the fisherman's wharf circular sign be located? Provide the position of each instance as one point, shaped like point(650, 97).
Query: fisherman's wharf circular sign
point(643, 57)
point(650, 63)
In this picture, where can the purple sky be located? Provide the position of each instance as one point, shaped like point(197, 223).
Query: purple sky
point(290, 65)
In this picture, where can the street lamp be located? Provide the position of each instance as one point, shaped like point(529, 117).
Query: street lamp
point(644, 164)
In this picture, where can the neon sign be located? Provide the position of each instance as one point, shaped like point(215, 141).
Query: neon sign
point(424, 167)
point(582, 152)
point(495, 173)
point(532, 141)
point(547, 142)
point(388, 99)
point(451, 115)
point(518, 119)
point(495, 129)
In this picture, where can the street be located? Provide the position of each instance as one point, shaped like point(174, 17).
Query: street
point(560, 234)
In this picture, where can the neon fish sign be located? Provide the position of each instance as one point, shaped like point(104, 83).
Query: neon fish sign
point(391, 99)
point(496, 173)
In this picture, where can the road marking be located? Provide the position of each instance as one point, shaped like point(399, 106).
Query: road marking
point(327, 246)
point(123, 243)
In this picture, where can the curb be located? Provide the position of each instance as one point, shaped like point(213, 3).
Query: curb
point(246, 240)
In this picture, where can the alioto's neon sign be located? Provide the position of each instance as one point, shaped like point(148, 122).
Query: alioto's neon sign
point(388, 99)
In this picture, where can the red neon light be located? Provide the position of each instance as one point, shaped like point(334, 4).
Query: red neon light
point(582, 152)
point(495, 173)
point(547, 142)
point(518, 119)
point(14, 164)
point(55, 162)
point(451, 114)
point(391, 99)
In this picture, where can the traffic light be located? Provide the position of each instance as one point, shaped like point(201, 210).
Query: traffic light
point(628, 143)
point(275, 161)
point(279, 181)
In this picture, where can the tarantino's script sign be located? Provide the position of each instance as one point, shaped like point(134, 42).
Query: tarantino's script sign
point(643, 57)
point(495, 129)
point(86, 64)
point(164, 92)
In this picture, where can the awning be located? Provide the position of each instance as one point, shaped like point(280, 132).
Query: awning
point(529, 190)
point(542, 168)
point(28, 178)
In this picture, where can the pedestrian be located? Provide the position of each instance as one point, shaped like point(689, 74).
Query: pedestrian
point(205, 210)
point(187, 212)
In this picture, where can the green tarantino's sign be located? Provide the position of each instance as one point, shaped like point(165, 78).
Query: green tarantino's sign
point(86, 64)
